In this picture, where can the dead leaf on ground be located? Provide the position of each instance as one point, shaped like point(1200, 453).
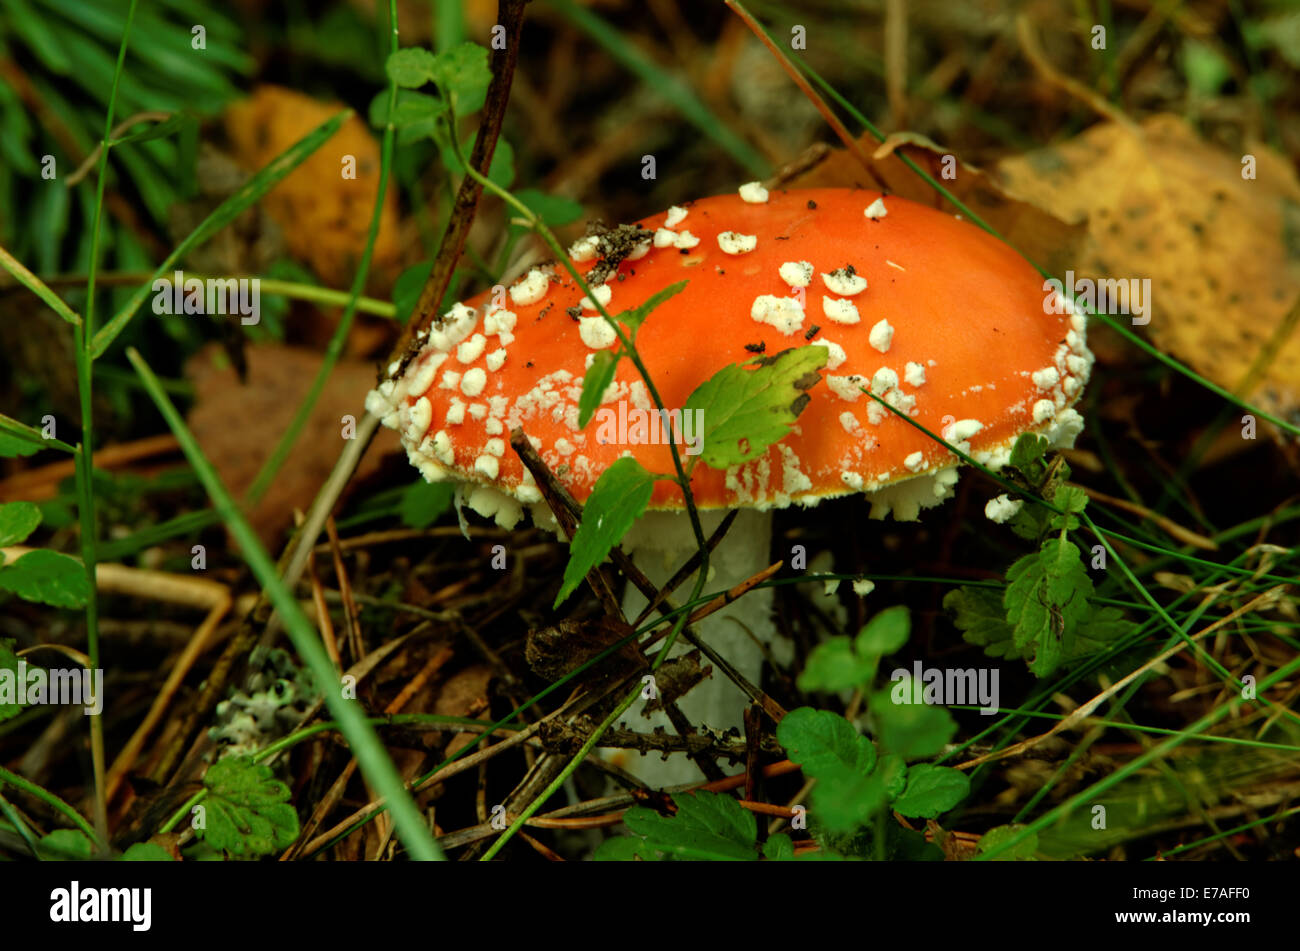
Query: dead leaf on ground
point(464, 694)
point(325, 216)
point(1222, 252)
point(238, 426)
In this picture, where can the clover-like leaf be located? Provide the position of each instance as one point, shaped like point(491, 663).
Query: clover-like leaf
point(906, 724)
point(932, 790)
point(48, 578)
point(821, 741)
point(247, 808)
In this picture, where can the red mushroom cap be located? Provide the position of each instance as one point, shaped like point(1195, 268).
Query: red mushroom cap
point(946, 323)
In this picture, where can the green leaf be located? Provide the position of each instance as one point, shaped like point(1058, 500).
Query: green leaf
point(915, 729)
point(146, 852)
point(415, 115)
point(635, 316)
point(65, 845)
point(1102, 627)
point(1046, 598)
point(707, 826)
point(554, 210)
point(462, 75)
point(982, 620)
point(248, 812)
point(625, 848)
point(407, 288)
point(9, 661)
point(1029, 448)
point(1070, 499)
point(779, 848)
point(822, 742)
point(594, 383)
point(747, 410)
point(844, 800)
point(17, 521)
point(885, 633)
point(617, 500)
point(423, 503)
point(48, 578)
point(14, 445)
point(833, 665)
point(932, 790)
point(1023, 851)
point(412, 67)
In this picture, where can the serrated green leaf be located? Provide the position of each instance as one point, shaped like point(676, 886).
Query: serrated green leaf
point(617, 500)
point(707, 826)
point(1023, 851)
point(594, 383)
point(1046, 598)
point(247, 808)
point(1101, 628)
point(982, 620)
point(905, 724)
point(48, 578)
point(747, 410)
point(625, 848)
point(885, 633)
point(146, 852)
point(1028, 449)
point(1070, 499)
point(822, 742)
point(423, 503)
point(17, 521)
point(932, 790)
point(634, 317)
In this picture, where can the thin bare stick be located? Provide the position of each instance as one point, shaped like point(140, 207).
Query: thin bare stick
point(510, 14)
point(805, 87)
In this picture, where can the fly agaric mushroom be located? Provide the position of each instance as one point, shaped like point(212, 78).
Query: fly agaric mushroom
point(943, 322)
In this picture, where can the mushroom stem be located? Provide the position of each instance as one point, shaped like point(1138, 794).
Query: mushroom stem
point(659, 544)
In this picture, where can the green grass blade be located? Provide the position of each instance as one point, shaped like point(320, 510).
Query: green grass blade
point(227, 211)
point(362, 739)
point(678, 94)
point(38, 287)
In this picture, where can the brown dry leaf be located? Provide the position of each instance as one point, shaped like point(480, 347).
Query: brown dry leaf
point(463, 695)
point(1036, 233)
point(1221, 252)
point(238, 426)
point(325, 217)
